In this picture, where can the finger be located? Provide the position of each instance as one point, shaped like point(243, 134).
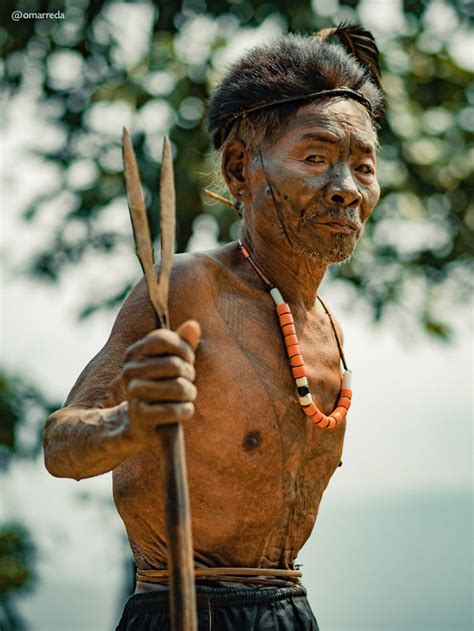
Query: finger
point(160, 342)
point(162, 413)
point(159, 368)
point(178, 389)
point(190, 331)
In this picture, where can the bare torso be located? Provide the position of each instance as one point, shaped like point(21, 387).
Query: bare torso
point(257, 467)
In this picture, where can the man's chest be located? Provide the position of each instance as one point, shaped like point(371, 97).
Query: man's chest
point(247, 397)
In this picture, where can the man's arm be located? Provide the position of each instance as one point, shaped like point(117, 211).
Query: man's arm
point(81, 443)
point(140, 378)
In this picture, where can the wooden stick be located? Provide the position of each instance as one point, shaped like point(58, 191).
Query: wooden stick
point(141, 229)
point(172, 453)
point(178, 528)
point(218, 198)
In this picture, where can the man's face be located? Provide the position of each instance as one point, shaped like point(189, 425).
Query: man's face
point(321, 169)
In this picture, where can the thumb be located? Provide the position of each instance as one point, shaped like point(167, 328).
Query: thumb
point(190, 332)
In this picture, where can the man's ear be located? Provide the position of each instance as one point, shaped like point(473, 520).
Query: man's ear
point(234, 166)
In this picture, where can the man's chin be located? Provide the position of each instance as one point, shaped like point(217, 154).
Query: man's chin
point(338, 253)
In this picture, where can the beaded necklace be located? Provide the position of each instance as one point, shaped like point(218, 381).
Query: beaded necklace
point(295, 357)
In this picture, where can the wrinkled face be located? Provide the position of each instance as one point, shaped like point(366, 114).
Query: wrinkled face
point(320, 172)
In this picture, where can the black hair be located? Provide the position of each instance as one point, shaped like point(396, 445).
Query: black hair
point(289, 67)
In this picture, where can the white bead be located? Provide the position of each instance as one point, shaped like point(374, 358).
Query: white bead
point(347, 379)
point(301, 381)
point(277, 297)
point(306, 400)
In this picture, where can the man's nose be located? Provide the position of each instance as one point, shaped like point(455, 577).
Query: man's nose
point(342, 190)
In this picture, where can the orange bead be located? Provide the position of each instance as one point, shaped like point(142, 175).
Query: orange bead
point(310, 409)
point(288, 329)
point(322, 421)
point(290, 340)
point(326, 423)
point(299, 371)
point(337, 416)
point(293, 350)
point(297, 360)
point(281, 309)
point(317, 416)
point(344, 402)
point(332, 422)
point(342, 411)
point(286, 318)
point(346, 392)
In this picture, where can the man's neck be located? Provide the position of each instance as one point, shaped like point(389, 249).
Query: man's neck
point(295, 274)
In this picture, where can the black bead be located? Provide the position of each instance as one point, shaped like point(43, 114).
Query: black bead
point(303, 390)
point(340, 464)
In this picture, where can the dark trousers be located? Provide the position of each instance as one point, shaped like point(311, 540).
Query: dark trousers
point(226, 609)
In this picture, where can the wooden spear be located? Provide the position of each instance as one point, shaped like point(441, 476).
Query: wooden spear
point(171, 437)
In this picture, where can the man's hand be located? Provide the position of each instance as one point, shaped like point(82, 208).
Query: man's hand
point(158, 375)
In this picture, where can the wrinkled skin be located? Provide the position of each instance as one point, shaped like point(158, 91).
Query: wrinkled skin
point(257, 467)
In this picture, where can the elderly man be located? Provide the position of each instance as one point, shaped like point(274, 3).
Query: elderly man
point(260, 374)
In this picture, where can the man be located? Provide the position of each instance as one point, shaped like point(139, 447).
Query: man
point(295, 125)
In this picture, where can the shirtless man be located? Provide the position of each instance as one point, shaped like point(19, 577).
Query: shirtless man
point(303, 176)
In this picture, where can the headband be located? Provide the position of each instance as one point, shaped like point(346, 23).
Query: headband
point(343, 91)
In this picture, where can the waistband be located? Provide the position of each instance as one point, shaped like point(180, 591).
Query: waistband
point(248, 575)
point(215, 596)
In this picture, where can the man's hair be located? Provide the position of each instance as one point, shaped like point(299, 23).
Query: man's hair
point(290, 67)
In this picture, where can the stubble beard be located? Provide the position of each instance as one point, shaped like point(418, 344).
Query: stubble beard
point(340, 251)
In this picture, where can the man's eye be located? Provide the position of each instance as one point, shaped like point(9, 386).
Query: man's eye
point(366, 169)
point(315, 159)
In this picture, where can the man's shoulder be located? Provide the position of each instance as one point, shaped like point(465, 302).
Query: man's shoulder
point(197, 267)
point(197, 277)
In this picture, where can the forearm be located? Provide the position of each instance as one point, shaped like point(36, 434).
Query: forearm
point(85, 442)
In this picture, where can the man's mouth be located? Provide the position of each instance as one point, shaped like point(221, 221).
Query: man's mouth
point(344, 226)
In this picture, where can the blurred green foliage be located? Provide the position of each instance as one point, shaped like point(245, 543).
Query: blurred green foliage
point(22, 412)
point(17, 556)
point(86, 73)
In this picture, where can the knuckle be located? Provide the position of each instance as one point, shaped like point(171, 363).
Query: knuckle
point(155, 334)
point(189, 353)
point(174, 363)
point(146, 414)
point(185, 369)
point(134, 384)
point(192, 392)
point(185, 411)
point(178, 367)
point(180, 384)
point(186, 389)
point(162, 335)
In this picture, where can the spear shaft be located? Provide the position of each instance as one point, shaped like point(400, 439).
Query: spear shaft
point(171, 436)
